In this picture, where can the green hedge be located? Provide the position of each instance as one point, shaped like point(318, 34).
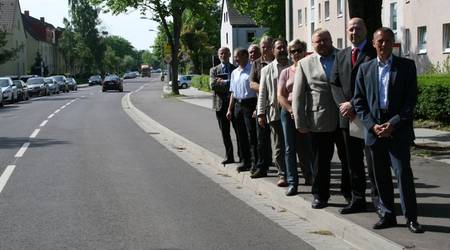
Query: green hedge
point(201, 83)
point(434, 98)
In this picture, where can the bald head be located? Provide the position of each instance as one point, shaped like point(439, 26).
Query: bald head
point(356, 31)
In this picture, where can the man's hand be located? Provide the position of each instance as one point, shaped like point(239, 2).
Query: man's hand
point(346, 109)
point(254, 114)
point(228, 115)
point(254, 85)
point(219, 81)
point(387, 130)
point(262, 121)
point(303, 130)
point(377, 129)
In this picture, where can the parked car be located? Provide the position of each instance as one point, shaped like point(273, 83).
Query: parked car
point(184, 81)
point(95, 79)
point(112, 82)
point(9, 90)
point(72, 84)
point(62, 83)
point(1, 98)
point(130, 75)
point(22, 90)
point(53, 87)
point(37, 86)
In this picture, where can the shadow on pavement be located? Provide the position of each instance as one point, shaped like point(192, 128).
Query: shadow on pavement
point(11, 142)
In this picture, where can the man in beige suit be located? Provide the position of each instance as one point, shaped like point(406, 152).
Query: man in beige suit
point(268, 109)
point(316, 112)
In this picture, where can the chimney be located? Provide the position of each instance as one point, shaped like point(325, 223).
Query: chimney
point(42, 19)
point(27, 13)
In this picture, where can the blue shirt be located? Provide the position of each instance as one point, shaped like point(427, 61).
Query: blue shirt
point(327, 64)
point(383, 81)
point(240, 83)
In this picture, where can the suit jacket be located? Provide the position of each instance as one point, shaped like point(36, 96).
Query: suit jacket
point(402, 98)
point(312, 101)
point(221, 93)
point(267, 97)
point(344, 74)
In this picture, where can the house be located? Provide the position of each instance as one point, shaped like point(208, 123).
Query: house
point(421, 36)
point(236, 30)
point(11, 23)
point(42, 39)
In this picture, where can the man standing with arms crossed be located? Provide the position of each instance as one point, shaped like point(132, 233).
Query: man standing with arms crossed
point(343, 78)
point(385, 97)
point(219, 81)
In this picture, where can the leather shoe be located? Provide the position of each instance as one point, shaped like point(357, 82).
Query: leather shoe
point(243, 168)
point(353, 208)
point(292, 190)
point(227, 161)
point(414, 227)
point(385, 222)
point(281, 182)
point(259, 173)
point(318, 204)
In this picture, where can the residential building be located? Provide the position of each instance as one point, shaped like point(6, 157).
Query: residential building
point(421, 36)
point(236, 30)
point(11, 23)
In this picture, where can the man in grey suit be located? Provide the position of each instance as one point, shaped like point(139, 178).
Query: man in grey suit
point(316, 112)
point(385, 97)
point(219, 81)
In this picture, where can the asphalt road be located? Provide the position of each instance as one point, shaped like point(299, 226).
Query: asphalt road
point(92, 179)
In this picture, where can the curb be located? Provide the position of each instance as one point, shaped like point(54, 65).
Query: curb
point(346, 230)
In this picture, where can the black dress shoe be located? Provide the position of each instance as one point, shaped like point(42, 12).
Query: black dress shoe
point(227, 161)
point(243, 168)
point(354, 208)
point(318, 204)
point(258, 173)
point(385, 222)
point(292, 190)
point(414, 227)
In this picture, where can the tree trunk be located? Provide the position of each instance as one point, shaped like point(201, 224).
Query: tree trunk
point(175, 47)
point(369, 10)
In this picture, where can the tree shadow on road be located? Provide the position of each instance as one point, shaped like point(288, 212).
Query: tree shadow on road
point(16, 142)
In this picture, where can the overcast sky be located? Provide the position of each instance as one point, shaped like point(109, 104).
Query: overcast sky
point(128, 26)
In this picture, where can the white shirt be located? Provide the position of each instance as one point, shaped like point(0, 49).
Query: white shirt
point(383, 81)
point(240, 84)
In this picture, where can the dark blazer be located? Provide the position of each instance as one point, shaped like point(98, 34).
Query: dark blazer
point(221, 92)
point(343, 75)
point(402, 98)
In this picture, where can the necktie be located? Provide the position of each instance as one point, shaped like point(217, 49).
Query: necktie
point(225, 69)
point(355, 52)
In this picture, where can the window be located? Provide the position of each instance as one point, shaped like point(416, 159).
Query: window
point(340, 8)
point(250, 36)
point(340, 44)
point(320, 12)
point(313, 9)
point(327, 10)
point(394, 17)
point(446, 36)
point(300, 17)
point(306, 18)
point(407, 42)
point(226, 37)
point(313, 27)
point(422, 39)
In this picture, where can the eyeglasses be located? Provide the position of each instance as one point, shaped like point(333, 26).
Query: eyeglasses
point(293, 51)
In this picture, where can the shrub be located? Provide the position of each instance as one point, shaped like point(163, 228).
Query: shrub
point(201, 83)
point(434, 98)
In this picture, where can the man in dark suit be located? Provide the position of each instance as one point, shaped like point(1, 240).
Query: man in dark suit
point(219, 80)
point(385, 97)
point(343, 77)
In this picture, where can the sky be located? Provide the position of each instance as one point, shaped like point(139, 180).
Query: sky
point(128, 26)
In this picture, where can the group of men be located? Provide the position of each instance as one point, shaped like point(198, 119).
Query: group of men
point(360, 99)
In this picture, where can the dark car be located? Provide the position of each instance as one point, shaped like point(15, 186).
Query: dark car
point(95, 79)
point(37, 86)
point(22, 90)
point(112, 82)
point(72, 83)
point(62, 83)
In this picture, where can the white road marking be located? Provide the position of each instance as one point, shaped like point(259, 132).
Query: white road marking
point(22, 150)
point(5, 176)
point(57, 111)
point(35, 133)
point(50, 116)
point(43, 123)
point(63, 106)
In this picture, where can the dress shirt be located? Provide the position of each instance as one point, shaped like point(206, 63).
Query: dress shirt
point(383, 81)
point(327, 64)
point(240, 84)
point(286, 80)
point(360, 46)
point(226, 70)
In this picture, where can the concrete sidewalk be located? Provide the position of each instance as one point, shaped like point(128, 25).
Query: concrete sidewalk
point(198, 125)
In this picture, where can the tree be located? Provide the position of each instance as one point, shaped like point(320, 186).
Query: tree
point(39, 67)
point(128, 63)
point(369, 10)
point(111, 61)
point(266, 13)
point(152, 59)
point(6, 54)
point(67, 45)
point(121, 46)
point(162, 10)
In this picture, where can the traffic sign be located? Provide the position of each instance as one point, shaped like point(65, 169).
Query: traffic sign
point(167, 59)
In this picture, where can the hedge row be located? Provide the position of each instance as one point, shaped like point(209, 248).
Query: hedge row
point(434, 98)
point(201, 83)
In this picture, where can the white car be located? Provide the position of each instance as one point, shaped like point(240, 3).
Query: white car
point(184, 81)
point(9, 90)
